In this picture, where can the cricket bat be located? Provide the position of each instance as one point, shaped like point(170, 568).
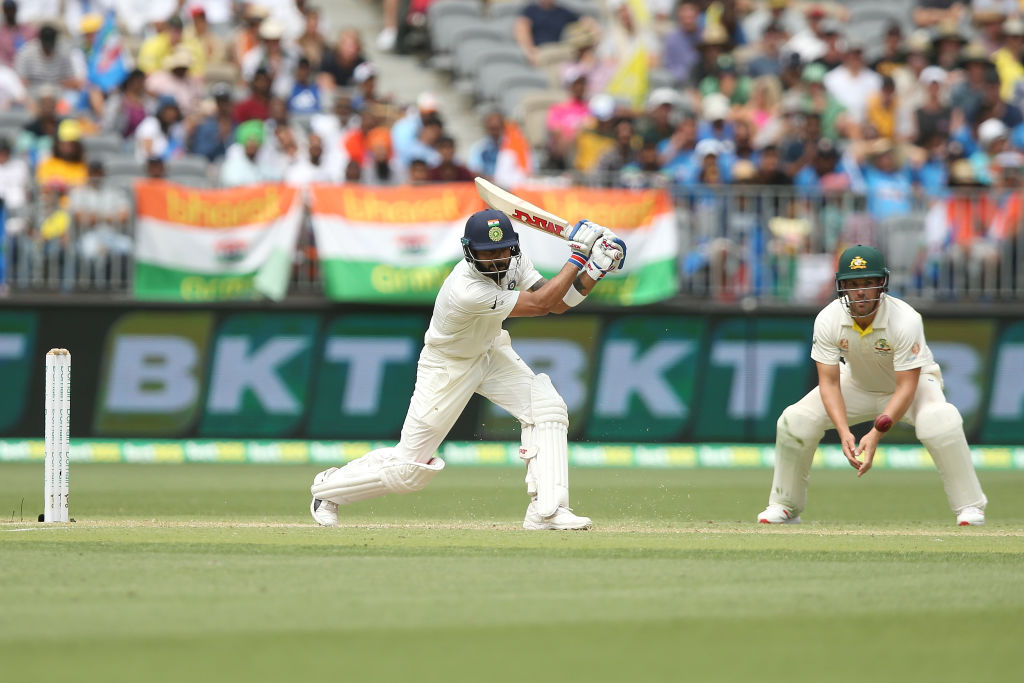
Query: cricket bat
point(522, 211)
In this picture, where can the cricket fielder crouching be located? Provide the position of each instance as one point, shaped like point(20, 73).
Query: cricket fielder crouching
point(466, 351)
point(872, 361)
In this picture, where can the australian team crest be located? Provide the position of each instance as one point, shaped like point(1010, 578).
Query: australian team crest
point(494, 230)
point(844, 344)
point(882, 346)
point(858, 263)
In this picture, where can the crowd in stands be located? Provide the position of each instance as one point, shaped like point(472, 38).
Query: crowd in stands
point(767, 93)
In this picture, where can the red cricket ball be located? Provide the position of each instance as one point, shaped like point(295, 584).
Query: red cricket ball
point(883, 423)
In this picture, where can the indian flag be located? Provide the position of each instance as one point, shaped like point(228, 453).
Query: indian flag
point(389, 244)
point(644, 219)
point(213, 245)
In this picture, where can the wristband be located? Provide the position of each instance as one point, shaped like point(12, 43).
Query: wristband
point(578, 260)
point(573, 298)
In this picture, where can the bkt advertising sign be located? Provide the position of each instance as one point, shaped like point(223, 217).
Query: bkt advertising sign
point(261, 373)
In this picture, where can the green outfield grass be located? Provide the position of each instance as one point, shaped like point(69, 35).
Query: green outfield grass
point(215, 573)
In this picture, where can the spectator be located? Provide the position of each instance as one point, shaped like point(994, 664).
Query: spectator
point(834, 45)
point(763, 108)
point(272, 57)
point(353, 172)
point(13, 36)
point(14, 184)
point(503, 154)
point(257, 105)
point(125, 109)
point(933, 117)
point(66, 168)
point(212, 135)
point(100, 212)
point(567, 118)
point(448, 170)
point(659, 123)
point(645, 170)
point(714, 110)
point(247, 37)
point(714, 43)
point(41, 132)
point(158, 47)
point(989, 25)
point(676, 154)
point(853, 83)
point(355, 143)
point(419, 172)
point(365, 80)
point(305, 95)
point(886, 114)
point(423, 146)
point(726, 80)
point(173, 80)
point(407, 129)
point(773, 13)
point(311, 42)
point(381, 167)
point(43, 62)
point(928, 13)
point(623, 37)
point(12, 90)
point(340, 62)
point(769, 168)
point(619, 156)
point(823, 172)
point(155, 168)
point(888, 184)
point(931, 165)
point(543, 21)
point(209, 51)
point(993, 139)
point(993, 106)
point(768, 59)
point(310, 167)
point(947, 42)
point(680, 51)
point(160, 135)
point(967, 94)
point(894, 55)
point(809, 43)
point(1009, 59)
point(240, 166)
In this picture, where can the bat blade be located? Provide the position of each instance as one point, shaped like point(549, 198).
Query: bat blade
point(522, 211)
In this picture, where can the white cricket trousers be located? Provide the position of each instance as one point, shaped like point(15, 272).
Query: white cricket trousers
point(937, 424)
point(444, 386)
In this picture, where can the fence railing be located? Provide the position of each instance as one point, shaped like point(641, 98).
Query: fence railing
point(736, 243)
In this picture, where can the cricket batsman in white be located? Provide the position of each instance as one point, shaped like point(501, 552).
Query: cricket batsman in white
point(873, 364)
point(466, 351)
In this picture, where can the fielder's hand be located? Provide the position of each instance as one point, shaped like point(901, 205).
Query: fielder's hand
point(866, 448)
point(605, 257)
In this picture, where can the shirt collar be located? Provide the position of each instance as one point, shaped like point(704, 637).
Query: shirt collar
point(879, 323)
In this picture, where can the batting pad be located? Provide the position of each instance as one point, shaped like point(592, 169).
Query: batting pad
point(940, 429)
point(547, 457)
point(376, 474)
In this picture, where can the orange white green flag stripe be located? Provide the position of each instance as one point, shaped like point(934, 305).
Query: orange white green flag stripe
point(212, 245)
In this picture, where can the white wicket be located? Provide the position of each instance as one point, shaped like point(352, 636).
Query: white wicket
point(57, 428)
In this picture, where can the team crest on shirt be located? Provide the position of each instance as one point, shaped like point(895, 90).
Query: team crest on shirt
point(858, 263)
point(882, 346)
point(511, 285)
point(844, 344)
point(915, 349)
point(494, 230)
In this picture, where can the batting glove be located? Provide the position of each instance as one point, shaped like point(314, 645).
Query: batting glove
point(586, 233)
point(605, 257)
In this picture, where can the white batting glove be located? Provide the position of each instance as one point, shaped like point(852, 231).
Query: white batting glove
point(585, 233)
point(606, 256)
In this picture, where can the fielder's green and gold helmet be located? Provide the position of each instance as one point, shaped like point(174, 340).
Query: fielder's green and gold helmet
point(861, 261)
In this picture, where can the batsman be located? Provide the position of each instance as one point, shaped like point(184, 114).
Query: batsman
point(873, 364)
point(466, 351)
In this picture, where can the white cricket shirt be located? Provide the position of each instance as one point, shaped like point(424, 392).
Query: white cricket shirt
point(470, 308)
point(893, 341)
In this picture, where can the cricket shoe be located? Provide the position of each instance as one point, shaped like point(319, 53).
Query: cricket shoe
point(971, 516)
point(563, 520)
point(325, 513)
point(776, 514)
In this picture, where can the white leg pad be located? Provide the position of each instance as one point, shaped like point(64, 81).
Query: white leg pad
point(547, 456)
point(375, 474)
point(940, 429)
point(527, 452)
point(797, 434)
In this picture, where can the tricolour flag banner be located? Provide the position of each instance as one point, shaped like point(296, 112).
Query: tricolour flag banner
point(394, 244)
point(213, 245)
point(642, 218)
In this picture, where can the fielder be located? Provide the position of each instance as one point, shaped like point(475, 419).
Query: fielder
point(466, 351)
point(872, 361)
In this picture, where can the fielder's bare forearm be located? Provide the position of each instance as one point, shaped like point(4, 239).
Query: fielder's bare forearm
point(906, 389)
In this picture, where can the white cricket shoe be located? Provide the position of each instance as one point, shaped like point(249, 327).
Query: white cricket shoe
point(386, 39)
point(971, 516)
point(325, 513)
point(563, 520)
point(776, 514)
